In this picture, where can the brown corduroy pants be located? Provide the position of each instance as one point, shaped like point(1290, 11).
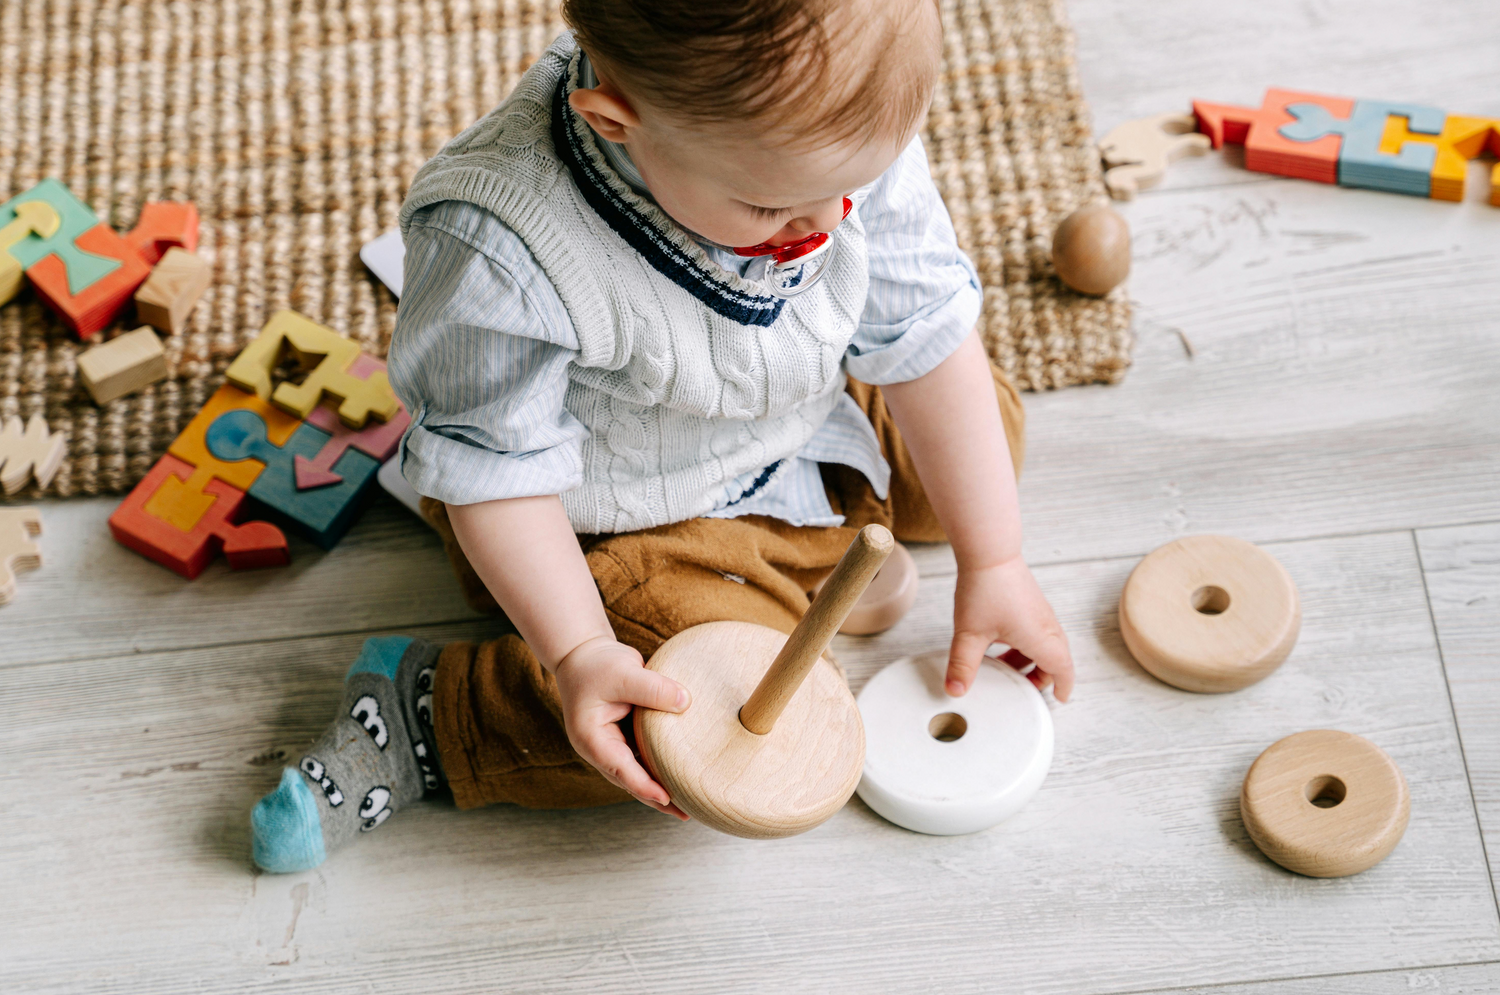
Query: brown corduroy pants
point(498, 718)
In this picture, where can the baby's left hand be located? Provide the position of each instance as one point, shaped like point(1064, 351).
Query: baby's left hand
point(1002, 604)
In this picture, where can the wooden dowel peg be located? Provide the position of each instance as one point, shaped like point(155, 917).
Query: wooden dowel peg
point(807, 642)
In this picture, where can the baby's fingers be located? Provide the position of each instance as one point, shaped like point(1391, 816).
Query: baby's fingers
point(963, 662)
point(1054, 657)
point(647, 688)
point(609, 753)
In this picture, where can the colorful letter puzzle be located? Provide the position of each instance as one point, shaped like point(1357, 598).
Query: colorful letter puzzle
point(1401, 148)
point(244, 453)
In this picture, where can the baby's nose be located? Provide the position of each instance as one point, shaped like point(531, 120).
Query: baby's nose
point(825, 215)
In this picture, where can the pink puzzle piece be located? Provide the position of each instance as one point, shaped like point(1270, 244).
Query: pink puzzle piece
point(376, 439)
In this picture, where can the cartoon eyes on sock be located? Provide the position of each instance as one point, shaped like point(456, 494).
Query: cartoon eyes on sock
point(314, 769)
point(375, 809)
point(429, 776)
point(366, 712)
point(424, 695)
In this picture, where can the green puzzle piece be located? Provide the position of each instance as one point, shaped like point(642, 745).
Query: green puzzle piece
point(84, 268)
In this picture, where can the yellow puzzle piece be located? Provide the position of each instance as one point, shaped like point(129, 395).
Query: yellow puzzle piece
point(326, 355)
point(1461, 139)
point(34, 217)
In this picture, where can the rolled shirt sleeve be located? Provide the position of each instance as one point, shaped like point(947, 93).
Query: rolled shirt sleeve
point(480, 357)
point(924, 296)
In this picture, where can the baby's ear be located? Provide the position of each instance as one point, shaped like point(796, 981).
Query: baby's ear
point(607, 111)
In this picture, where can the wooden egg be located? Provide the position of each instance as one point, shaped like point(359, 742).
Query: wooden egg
point(946, 766)
point(1210, 613)
point(888, 598)
point(1091, 250)
point(772, 744)
point(1326, 804)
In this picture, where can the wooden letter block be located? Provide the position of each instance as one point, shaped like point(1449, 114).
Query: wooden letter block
point(1137, 153)
point(17, 551)
point(188, 551)
point(377, 441)
point(123, 365)
point(327, 356)
point(83, 268)
point(1267, 150)
point(91, 308)
point(32, 452)
point(1462, 139)
point(173, 288)
point(32, 218)
point(1361, 162)
point(162, 225)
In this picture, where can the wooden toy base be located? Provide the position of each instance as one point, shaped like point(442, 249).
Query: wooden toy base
point(760, 787)
point(1324, 803)
point(946, 766)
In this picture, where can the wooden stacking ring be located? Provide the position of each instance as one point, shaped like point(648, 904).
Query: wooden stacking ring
point(888, 598)
point(1324, 803)
point(1210, 613)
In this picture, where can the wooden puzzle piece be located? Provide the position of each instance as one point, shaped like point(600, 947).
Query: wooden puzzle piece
point(32, 218)
point(188, 551)
point(1138, 152)
point(1462, 139)
point(83, 267)
point(378, 440)
point(32, 452)
point(184, 505)
point(162, 225)
point(326, 355)
point(1361, 163)
point(322, 514)
point(123, 365)
point(89, 310)
point(173, 288)
point(1266, 149)
point(17, 551)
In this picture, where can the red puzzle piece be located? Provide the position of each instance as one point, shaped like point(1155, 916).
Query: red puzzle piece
point(163, 224)
point(96, 305)
point(254, 544)
point(1266, 151)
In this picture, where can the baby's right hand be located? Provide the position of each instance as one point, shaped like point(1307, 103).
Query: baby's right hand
point(599, 681)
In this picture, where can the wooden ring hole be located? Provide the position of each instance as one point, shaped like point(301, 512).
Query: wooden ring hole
point(1325, 791)
point(947, 727)
point(1211, 600)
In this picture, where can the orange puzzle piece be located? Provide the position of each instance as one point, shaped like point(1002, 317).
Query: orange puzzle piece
point(326, 355)
point(1258, 129)
point(96, 305)
point(162, 225)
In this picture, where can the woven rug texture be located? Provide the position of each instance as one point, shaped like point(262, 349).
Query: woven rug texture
point(296, 126)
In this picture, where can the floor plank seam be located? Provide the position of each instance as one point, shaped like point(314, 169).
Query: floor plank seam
point(1457, 728)
point(1229, 985)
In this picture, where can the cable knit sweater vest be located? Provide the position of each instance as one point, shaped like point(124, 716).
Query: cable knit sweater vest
point(689, 376)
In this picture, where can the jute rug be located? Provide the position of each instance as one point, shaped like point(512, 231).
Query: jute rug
point(295, 127)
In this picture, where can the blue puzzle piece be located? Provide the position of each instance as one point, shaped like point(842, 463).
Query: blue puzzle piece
point(321, 515)
point(75, 217)
point(1361, 163)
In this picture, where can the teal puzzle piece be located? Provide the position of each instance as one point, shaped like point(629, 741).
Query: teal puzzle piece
point(84, 268)
point(1361, 163)
point(323, 514)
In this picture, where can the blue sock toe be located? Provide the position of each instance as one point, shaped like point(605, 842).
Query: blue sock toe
point(287, 835)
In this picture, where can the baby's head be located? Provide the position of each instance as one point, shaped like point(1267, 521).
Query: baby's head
point(750, 120)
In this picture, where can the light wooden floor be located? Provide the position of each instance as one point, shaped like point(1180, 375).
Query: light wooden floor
point(1343, 409)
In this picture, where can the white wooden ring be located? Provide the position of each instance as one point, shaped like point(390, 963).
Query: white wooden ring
point(946, 766)
point(1210, 613)
point(1325, 803)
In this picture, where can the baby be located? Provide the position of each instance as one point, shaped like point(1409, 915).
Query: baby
point(623, 425)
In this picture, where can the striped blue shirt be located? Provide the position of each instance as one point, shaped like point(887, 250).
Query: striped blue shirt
point(483, 344)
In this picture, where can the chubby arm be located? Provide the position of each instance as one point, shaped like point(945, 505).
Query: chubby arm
point(525, 551)
point(952, 426)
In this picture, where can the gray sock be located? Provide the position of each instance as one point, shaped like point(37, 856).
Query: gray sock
point(377, 756)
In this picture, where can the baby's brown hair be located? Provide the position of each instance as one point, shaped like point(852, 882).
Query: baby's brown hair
point(769, 61)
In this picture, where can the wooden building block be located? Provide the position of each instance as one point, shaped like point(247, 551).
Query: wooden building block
point(1361, 162)
point(173, 288)
point(1462, 139)
point(162, 225)
point(322, 514)
point(123, 365)
point(326, 356)
point(1266, 149)
point(377, 440)
point(1325, 803)
point(91, 308)
point(34, 217)
point(82, 266)
point(188, 551)
point(184, 505)
point(17, 552)
point(32, 452)
point(1137, 153)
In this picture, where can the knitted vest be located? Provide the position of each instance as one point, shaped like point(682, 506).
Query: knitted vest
point(689, 376)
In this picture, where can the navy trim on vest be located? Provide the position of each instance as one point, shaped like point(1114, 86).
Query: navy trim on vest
point(761, 480)
point(664, 257)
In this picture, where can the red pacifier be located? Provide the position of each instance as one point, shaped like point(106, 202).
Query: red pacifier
point(781, 260)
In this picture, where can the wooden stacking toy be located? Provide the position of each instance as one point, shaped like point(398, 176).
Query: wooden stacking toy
point(1091, 250)
point(1326, 804)
point(1210, 613)
point(772, 743)
point(945, 766)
